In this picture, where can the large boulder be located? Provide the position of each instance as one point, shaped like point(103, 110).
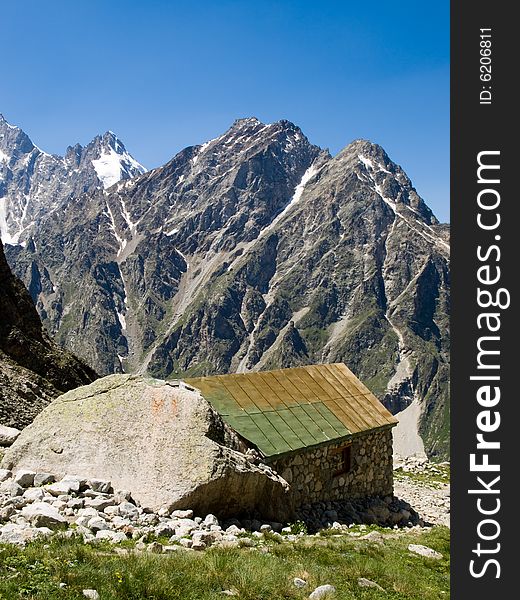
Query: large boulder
point(161, 440)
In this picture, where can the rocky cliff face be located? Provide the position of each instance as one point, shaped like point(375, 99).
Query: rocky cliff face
point(255, 250)
point(33, 370)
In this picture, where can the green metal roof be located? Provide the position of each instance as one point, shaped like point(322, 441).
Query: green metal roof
point(288, 409)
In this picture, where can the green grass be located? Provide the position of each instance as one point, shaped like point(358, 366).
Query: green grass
point(36, 571)
point(432, 477)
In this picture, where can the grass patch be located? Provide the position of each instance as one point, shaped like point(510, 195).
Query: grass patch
point(435, 477)
point(36, 571)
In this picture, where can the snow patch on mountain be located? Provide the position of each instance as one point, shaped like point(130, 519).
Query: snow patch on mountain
point(111, 166)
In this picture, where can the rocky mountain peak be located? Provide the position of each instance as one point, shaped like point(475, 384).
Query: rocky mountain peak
point(33, 183)
point(13, 142)
point(110, 159)
point(375, 169)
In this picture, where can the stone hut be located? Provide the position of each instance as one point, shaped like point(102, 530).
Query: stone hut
point(318, 426)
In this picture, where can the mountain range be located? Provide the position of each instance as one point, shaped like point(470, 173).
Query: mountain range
point(254, 250)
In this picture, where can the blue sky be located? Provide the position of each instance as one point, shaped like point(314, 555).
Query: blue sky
point(165, 75)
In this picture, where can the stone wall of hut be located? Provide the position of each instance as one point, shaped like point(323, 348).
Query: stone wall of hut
point(321, 473)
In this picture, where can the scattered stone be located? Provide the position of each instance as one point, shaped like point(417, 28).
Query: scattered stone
point(96, 524)
point(299, 583)
point(14, 533)
point(8, 435)
point(5, 474)
point(155, 548)
point(63, 487)
point(11, 488)
point(210, 520)
point(198, 545)
point(91, 594)
point(182, 514)
point(363, 582)
point(322, 591)
point(32, 494)
point(100, 485)
point(429, 496)
point(112, 536)
point(424, 551)
point(373, 536)
point(6, 512)
point(127, 509)
point(41, 514)
point(24, 478)
point(233, 530)
point(43, 479)
point(99, 503)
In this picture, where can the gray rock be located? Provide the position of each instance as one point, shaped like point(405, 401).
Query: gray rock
point(24, 477)
point(127, 509)
point(198, 545)
point(233, 530)
point(99, 503)
point(13, 533)
point(373, 536)
point(75, 503)
point(207, 537)
point(368, 583)
point(6, 512)
point(299, 583)
point(112, 511)
point(32, 494)
point(43, 479)
point(11, 488)
point(98, 524)
point(182, 514)
point(120, 522)
point(100, 485)
point(425, 551)
point(64, 486)
point(91, 594)
point(5, 474)
point(322, 591)
point(155, 548)
point(41, 514)
point(8, 435)
point(165, 529)
point(88, 512)
point(210, 520)
point(112, 536)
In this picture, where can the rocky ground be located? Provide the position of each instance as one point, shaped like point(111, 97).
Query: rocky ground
point(34, 504)
point(88, 518)
point(425, 486)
